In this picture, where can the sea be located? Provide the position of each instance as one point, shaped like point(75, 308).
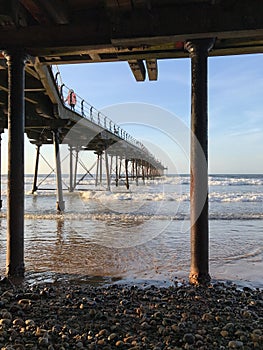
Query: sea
point(140, 235)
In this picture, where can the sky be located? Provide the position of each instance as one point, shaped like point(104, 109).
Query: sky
point(158, 112)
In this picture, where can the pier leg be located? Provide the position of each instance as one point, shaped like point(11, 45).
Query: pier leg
point(111, 165)
point(60, 202)
point(126, 173)
point(15, 188)
point(71, 188)
point(116, 172)
point(120, 169)
point(143, 174)
point(97, 170)
point(34, 189)
point(147, 171)
point(76, 168)
point(107, 171)
point(101, 169)
point(1, 202)
point(133, 169)
point(199, 271)
point(136, 172)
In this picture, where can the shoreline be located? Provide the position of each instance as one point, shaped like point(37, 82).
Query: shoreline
point(158, 280)
point(119, 316)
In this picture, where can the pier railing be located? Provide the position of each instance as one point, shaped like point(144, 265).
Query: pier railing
point(89, 112)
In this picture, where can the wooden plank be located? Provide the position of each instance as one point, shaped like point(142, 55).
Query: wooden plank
point(35, 11)
point(163, 23)
point(119, 4)
point(57, 10)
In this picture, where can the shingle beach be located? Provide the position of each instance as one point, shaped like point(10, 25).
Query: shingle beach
point(70, 316)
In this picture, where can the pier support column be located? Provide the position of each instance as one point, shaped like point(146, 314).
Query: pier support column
point(97, 168)
point(199, 271)
point(76, 168)
point(143, 174)
point(127, 173)
point(101, 168)
point(71, 189)
point(15, 188)
point(119, 177)
point(108, 177)
point(60, 205)
point(111, 164)
point(34, 189)
point(116, 172)
point(1, 202)
point(136, 172)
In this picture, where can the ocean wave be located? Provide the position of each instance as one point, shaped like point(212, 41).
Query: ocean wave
point(233, 197)
point(224, 180)
point(138, 218)
point(141, 197)
point(213, 180)
point(130, 217)
point(254, 254)
point(219, 197)
point(228, 181)
point(107, 196)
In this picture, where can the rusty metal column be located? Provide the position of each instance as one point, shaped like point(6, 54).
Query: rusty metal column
point(70, 168)
point(133, 169)
point(108, 176)
point(76, 167)
point(143, 175)
point(34, 189)
point(60, 202)
point(97, 169)
point(119, 177)
point(101, 168)
point(199, 271)
point(127, 173)
point(15, 191)
point(116, 172)
point(136, 172)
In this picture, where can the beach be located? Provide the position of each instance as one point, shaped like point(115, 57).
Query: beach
point(112, 270)
point(82, 316)
point(140, 234)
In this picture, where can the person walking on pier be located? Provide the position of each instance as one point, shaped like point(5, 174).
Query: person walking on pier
point(71, 99)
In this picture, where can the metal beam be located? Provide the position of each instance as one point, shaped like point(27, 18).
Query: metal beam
point(152, 69)
point(34, 189)
point(138, 69)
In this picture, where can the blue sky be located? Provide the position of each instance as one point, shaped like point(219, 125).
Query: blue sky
point(235, 108)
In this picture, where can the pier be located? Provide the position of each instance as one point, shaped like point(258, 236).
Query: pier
point(36, 35)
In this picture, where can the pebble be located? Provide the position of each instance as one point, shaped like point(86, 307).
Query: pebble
point(65, 317)
point(235, 344)
point(189, 338)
